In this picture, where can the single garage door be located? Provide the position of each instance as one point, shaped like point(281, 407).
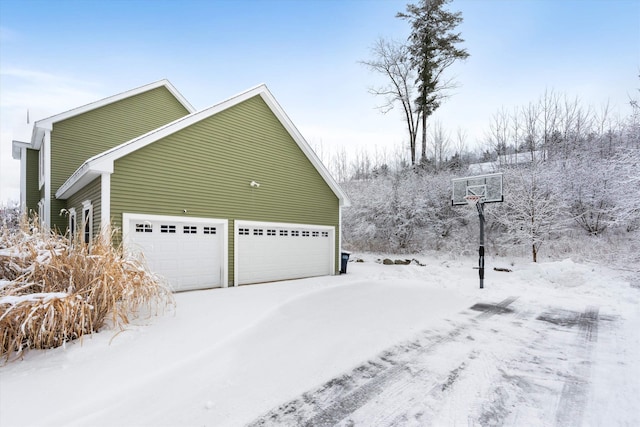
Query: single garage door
point(187, 252)
point(274, 251)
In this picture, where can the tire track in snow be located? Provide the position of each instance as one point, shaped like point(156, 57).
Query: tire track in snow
point(573, 399)
point(335, 400)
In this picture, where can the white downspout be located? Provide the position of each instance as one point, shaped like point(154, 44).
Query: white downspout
point(23, 180)
point(47, 178)
point(105, 202)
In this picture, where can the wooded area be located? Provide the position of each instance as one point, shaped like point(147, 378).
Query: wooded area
point(571, 187)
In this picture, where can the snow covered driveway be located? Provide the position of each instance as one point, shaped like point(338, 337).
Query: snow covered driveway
point(499, 367)
point(548, 344)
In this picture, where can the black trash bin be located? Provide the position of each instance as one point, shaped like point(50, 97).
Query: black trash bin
point(344, 259)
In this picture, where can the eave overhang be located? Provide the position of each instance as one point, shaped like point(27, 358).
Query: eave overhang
point(16, 148)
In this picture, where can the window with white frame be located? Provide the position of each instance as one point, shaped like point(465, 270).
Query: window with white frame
point(87, 221)
point(72, 224)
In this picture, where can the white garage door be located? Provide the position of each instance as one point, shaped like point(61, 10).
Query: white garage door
point(187, 252)
point(273, 251)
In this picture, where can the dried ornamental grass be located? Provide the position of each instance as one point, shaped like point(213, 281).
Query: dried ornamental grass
point(52, 292)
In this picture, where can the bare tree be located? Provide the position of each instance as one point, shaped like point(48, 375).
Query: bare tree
point(498, 136)
point(460, 148)
point(530, 117)
point(515, 134)
point(392, 60)
point(440, 142)
point(340, 165)
point(532, 211)
point(549, 104)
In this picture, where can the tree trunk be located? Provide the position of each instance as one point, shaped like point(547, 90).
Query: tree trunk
point(424, 136)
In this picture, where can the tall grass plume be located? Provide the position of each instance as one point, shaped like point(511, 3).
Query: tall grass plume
point(53, 291)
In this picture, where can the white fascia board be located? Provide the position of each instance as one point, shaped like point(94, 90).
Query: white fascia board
point(86, 173)
point(65, 192)
point(16, 148)
point(186, 104)
point(37, 134)
point(270, 100)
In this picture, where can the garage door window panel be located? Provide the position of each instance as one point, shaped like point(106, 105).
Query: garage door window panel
point(144, 228)
point(171, 229)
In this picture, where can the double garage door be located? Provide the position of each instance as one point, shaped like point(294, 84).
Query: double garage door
point(191, 253)
point(272, 251)
point(187, 252)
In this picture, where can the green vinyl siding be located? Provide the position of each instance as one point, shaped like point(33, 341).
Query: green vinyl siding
point(80, 137)
point(32, 196)
point(90, 192)
point(206, 169)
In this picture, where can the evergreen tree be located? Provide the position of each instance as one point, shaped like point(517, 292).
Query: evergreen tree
point(433, 48)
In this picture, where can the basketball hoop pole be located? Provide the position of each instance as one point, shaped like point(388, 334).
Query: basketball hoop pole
point(480, 207)
point(478, 190)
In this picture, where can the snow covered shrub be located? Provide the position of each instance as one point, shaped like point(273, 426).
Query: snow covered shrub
point(10, 216)
point(404, 212)
point(52, 292)
point(385, 215)
point(531, 213)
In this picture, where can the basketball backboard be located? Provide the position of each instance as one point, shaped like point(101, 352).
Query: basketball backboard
point(488, 187)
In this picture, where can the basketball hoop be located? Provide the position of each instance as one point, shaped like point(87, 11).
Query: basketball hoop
point(477, 191)
point(472, 199)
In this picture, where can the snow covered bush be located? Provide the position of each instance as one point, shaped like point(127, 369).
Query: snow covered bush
point(10, 216)
point(402, 212)
point(531, 213)
point(52, 291)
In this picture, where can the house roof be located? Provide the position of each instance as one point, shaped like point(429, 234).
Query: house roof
point(103, 162)
point(47, 124)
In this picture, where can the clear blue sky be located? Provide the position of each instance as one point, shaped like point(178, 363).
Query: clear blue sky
point(56, 55)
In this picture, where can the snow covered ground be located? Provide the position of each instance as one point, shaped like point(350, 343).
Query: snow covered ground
point(554, 343)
